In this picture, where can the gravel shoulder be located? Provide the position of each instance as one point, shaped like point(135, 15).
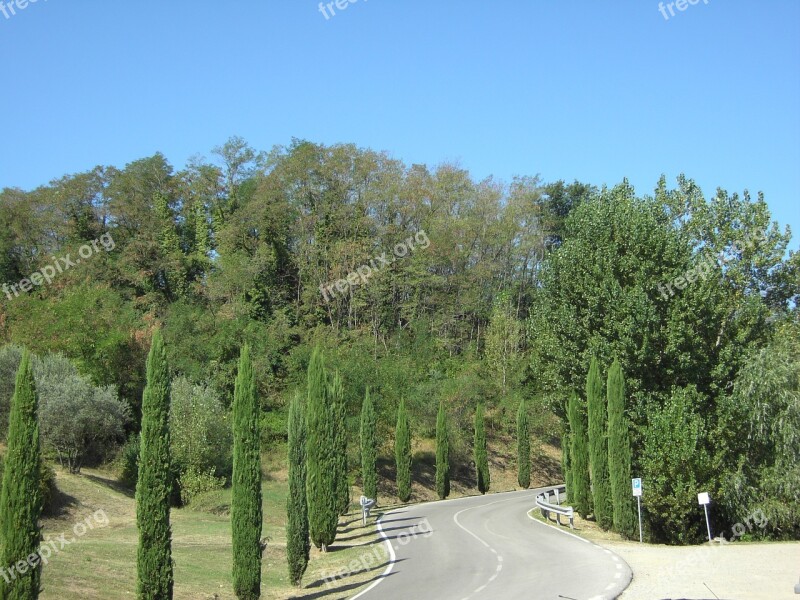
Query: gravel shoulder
point(734, 571)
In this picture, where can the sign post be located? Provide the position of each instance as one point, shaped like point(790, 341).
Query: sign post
point(704, 500)
point(366, 505)
point(637, 492)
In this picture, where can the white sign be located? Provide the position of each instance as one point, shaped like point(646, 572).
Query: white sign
point(637, 486)
point(702, 498)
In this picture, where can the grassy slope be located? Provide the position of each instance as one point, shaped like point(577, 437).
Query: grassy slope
point(102, 563)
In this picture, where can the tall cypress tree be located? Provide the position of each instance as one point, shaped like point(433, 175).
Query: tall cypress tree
point(566, 466)
point(340, 444)
point(619, 454)
point(402, 453)
point(369, 448)
point(598, 446)
point(21, 499)
point(154, 555)
point(579, 455)
point(246, 511)
point(298, 545)
point(323, 514)
point(481, 454)
point(442, 454)
point(523, 447)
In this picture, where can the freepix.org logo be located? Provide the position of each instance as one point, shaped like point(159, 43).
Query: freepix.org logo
point(10, 8)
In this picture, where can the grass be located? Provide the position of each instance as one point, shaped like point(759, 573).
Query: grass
point(101, 564)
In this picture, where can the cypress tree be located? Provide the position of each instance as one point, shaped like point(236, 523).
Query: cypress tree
point(442, 454)
point(598, 446)
point(21, 498)
point(246, 511)
point(154, 485)
point(481, 454)
point(298, 545)
point(340, 444)
point(369, 448)
point(402, 454)
point(566, 467)
point(619, 454)
point(579, 455)
point(323, 514)
point(523, 447)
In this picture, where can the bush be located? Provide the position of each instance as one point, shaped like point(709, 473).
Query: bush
point(675, 463)
point(128, 462)
point(78, 421)
point(201, 441)
point(193, 482)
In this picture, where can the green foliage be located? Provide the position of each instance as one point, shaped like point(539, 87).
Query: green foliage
point(201, 439)
point(760, 426)
point(128, 461)
point(101, 341)
point(619, 453)
point(566, 466)
point(321, 483)
point(481, 452)
point(402, 453)
point(442, 454)
point(523, 447)
point(78, 421)
point(579, 457)
point(246, 509)
point(154, 554)
point(21, 498)
point(298, 545)
point(193, 482)
point(342, 484)
point(596, 406)
point(369, 448)
point(10, 357)
point(503, 340)
point(675, 462)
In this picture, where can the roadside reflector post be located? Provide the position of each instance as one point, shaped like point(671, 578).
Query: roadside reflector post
point(637, 492)
point(704, 500)
point(366, 505)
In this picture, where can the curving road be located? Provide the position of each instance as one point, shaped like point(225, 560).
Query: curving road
point(487, 547)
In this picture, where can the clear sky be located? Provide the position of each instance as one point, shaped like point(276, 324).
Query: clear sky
point(587, 90)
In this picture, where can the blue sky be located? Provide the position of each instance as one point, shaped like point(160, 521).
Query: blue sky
point(587, 90)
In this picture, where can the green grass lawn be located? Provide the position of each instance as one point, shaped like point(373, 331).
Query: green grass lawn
point(102, 562)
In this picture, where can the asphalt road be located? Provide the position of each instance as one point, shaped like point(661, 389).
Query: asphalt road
point(487, 547)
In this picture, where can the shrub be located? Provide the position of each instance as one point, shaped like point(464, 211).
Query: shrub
point(201, 440)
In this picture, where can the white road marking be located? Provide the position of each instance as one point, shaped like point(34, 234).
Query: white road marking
point(497, 556)
point(389, 567)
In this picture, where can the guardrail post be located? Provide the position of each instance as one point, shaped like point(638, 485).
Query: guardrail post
point(558, 499)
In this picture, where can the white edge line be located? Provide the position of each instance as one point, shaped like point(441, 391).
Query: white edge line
point(393, 557)
point(599, 547)
point(389, 567)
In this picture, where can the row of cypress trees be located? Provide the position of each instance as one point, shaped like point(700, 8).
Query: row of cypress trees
point(155, 579)
point(319, 489)
point(21, 501)
point(597, 461)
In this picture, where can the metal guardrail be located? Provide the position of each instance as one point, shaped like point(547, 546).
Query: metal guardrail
point(543, 503)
